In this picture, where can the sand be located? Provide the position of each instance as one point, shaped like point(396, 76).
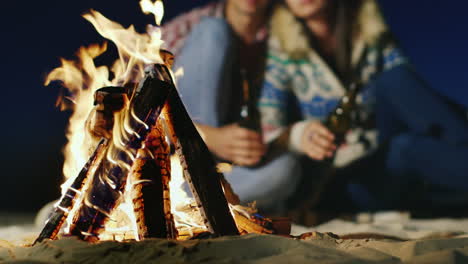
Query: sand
point(251, 248)
point(425, 245)
point(396, 224)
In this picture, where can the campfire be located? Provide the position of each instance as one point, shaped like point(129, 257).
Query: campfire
point(132, 147)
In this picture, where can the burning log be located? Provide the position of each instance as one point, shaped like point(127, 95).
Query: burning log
point(137, 152)
point(199, 169)
point(151, 173)
point(60, 213)
point(170, 222)
point(106, 189)
point(229, 193)
point(107, 101)
point(187, 234)
point(247, 226)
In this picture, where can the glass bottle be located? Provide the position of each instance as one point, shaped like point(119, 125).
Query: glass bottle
point(249, 116)
point(341, 119)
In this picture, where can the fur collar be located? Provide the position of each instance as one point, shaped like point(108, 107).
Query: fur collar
point(289, 35)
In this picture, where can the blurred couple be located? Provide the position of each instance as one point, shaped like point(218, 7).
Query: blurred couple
point(405, 150)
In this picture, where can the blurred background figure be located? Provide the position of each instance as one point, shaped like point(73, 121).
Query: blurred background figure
point(223, 59)
point(338, 45)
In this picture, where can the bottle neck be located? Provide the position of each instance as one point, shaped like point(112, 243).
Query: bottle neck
point(245, 87)
point(248, 116)
point(342, 118)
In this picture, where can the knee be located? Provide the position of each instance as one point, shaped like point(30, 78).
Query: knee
point(285, 171)
point(270, 184)
point(396, 81)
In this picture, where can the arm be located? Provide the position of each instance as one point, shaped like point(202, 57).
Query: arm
point(276, 102)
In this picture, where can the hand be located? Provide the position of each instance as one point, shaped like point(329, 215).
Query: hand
point(233, 143)
point(317, 141)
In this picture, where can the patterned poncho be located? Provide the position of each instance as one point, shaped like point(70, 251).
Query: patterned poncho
point(298, 78)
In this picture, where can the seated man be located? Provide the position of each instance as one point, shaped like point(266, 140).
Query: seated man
point(228, 41)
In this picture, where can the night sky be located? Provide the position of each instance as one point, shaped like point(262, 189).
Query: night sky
point(35, 34)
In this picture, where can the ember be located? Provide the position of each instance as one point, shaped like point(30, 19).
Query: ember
point(122, 182)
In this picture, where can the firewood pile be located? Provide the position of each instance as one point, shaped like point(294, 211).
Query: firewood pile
point(158, 127)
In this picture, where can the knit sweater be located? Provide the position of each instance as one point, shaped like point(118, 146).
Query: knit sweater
point(299, 86)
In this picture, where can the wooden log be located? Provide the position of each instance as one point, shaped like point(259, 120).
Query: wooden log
point(65, 205)
point(167, 57)
point(199, 169)
point(151, 173)
point(148, 198)
point(170, 222)
point(229, 193)
point(109, 182)
point(186, 234)
point(107, 101)
point(281, 225)
point(247, 226)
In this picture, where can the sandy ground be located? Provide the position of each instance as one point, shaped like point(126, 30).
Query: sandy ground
point(243, 249)
point(425, 246)
point(396, 224)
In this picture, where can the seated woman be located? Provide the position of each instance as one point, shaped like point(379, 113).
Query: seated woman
point(317, 49)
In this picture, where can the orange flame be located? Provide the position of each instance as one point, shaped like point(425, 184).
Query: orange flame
point(82, 78)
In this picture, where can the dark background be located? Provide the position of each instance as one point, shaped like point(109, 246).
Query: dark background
point(34, 34)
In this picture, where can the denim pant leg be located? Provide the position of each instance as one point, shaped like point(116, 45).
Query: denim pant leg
point(406, 103)
point(426, 140)
point(208, 58)
point(270, 185)
point(427, 144)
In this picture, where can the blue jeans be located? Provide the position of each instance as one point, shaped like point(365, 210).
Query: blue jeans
point(209, 61)
point(426, 154)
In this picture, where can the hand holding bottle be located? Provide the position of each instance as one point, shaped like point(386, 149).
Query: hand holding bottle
point(233, 143)
point(317, 141)
point(320, 140)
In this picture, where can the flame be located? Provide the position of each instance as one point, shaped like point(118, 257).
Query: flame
point(135, 50)
point(82, 78)
point(156, 8)
point(186, 214)
point(224, 167)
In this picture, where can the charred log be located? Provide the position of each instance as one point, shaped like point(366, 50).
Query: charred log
point(199, 169)
point(151, 173)
point(67, 201)
point(248, 226)
point(107, 101)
